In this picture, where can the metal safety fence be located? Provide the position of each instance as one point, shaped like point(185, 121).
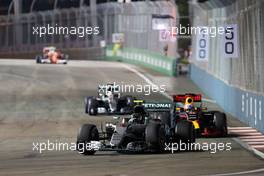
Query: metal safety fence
point(233, 71)
point(133, 19)
point(247, 70)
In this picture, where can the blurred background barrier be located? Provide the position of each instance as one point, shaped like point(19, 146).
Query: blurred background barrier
point(143, 57)
point(236, 83)
point(138, 22)
point(93, 53)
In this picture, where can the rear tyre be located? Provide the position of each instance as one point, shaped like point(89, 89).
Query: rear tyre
point(66, 58)
point(155, 136)
point(87, 133)
point(185, 131)
point(91, 105)
point(165, 118)
point(220, 122)
point(86, 106)
point(38, 59)
point(125, 104)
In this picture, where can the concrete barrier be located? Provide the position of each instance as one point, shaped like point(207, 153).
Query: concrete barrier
point(142, 57)
point(247, 106)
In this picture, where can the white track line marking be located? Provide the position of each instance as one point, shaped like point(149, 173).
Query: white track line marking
point(256, 143)
point(153, 84)
point(147, 80)
point(248, 134)
point(257, 146)
point(241, 173)
point(253, 140)
point(239, 127)
point(252, 137)
point(243, 131)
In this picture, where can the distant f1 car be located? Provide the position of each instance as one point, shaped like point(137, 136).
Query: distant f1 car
point(109, 101)
point(148, 129)
point(50, 55)
point(207, 123)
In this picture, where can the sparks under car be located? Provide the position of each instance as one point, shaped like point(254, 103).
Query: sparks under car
point(109, 101)
point(148, 129)
point(51, 55)
point(207, 123)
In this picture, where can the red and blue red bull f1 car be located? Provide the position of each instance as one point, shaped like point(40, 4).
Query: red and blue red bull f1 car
point(207, 123)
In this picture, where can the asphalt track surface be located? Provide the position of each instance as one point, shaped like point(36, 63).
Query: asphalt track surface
point(45, 102)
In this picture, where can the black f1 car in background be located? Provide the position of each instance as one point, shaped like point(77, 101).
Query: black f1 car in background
point(148, 129)
point(207, 123)
point(51, 55)
point(109, 101)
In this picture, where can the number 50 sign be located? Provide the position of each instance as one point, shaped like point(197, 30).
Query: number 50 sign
point(230, 46)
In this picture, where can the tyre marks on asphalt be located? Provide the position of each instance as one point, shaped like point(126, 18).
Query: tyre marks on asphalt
point(250, 136)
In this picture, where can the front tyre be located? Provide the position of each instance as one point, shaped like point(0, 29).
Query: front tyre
point(220, 123)
point(155, 136)
point(87, 133)
point(125, 104)
point(38, 59)
point(91, 105)
point(185, 131)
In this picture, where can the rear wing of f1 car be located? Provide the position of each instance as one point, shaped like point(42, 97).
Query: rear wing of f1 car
point(184, 97)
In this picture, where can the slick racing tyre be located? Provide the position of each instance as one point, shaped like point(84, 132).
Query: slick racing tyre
point(87, 133)
point(38, 59)
point(185, 131)
point(86, 105)
point(66, 58)
point(155, 136)
point(91, 105)
point(125, 104)
point(165, 118)
point(220, 123)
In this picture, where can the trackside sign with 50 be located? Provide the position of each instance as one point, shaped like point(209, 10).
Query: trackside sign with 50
point(230, 48)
